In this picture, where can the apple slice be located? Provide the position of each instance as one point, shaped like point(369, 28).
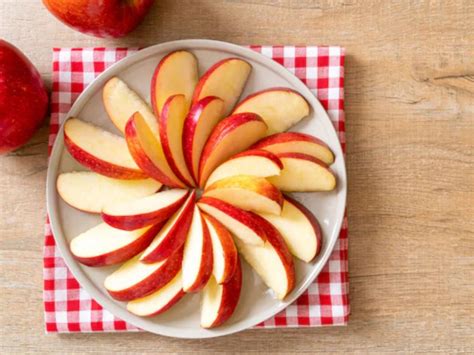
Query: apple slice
point(272, 261)
point(158, 301)
point(303, 173)
point(135, 279)
point(231, 136)
point(90, 192)
point(173, 235)
point(225, 79)
point(295, 142)
point(176, 74)
point(197, 258)
point(252, 162)
point(144, 211)
point(148, 153)
point(223, 250)
point(101, 151)
point(251, 193)
point(201, 120)
point(280, 108)
point(171, 123)
point(220, 301)
point(104, 245)
point(239, 222)
point(121, 103)
point(299, 228)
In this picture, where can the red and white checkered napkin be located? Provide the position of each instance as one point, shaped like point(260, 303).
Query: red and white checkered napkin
point(69, 308)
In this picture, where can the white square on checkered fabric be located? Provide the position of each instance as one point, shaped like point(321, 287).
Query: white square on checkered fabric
point(85, 316)
point(289, 52)
point(334, 72)
point(64, 97)
point(64, 77)
point(311, 73)
point(335, 51)
point(291, 311)
point(109, 56)
point(60, 295)
point(312, 51)
point(314, 311)
point(333, 93)
point(334, 266)
point(61, 317)
point(89, 76)
point(87, 56)
point(60, 273)
point(335, 288)
point(107, 316)
point(83, 295)
point(65, 55)
point(267, 51)
point(337, 311)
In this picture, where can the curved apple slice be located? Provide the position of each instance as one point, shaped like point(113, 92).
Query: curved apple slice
point(251, 193)
point(158, 301)
point(225, 79)
point(144, 211)
point(176, 74)
point(200, 121)
point(303, 173)
point(121, 103)
point(90, 192)
point(239, 222)
point(104, 245)
point(280, 108)
point(231, 136)
point(223, 250)
point(252, 162)
point(99, 150)
point(295, 142)
point(147, 151)
point(173, 235)
point(171, 123)
point(272, 261)
point(299, 228)
point(197, 258)
point(135, 279)
point(220, 301)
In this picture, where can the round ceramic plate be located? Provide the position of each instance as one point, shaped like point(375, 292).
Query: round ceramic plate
point(257, 302)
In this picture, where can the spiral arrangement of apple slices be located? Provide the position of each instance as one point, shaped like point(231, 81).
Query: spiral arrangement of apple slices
point(195, 136)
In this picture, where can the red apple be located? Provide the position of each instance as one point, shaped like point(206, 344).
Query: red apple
point(100, 18)
point(23, 98)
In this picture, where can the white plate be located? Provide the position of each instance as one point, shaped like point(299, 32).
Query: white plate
point(257, 302)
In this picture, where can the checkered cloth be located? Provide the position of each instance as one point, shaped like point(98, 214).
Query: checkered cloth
point(69, 308)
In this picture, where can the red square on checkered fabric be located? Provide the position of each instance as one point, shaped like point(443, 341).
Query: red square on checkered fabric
point(68, 308)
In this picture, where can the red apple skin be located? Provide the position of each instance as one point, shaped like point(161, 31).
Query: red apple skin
point(284, 137)
point(276, 240)
point(100, 18)
point(228, 246)
point(222, 129)
point(176, 236)
point(205, 269)
point(142, 160)
point(126, 252)
point(133, 222)
point(100, 166)
point(163, 122)
point(238, 214)
point(154, 282)
point(230, 296)
point(23, 98)
point(312, 219)
point(190, 125)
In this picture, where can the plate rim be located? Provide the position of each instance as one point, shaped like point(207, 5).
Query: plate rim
point(58, 147)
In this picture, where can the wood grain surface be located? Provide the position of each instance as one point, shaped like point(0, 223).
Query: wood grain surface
point(410, 132)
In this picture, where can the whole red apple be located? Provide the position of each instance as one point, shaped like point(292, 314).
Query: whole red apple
point(23, 98)
point(100, 18)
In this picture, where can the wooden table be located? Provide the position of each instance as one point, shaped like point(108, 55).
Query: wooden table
point(409, 95)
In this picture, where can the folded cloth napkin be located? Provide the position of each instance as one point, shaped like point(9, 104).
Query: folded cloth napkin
point(69, 308)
